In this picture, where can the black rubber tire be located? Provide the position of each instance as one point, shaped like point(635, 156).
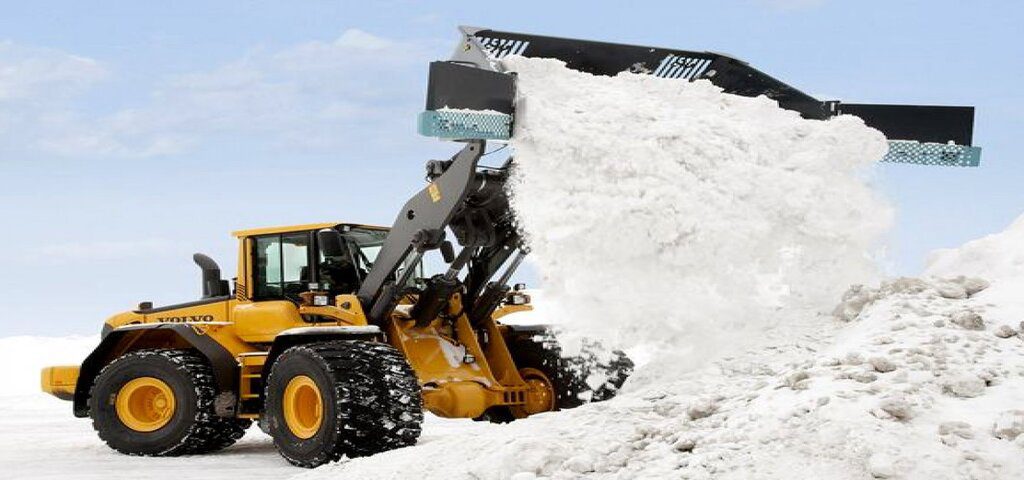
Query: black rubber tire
point(569, 375)
point(193, 429)
point(371, 401)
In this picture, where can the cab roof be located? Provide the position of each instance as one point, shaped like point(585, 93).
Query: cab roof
point(299, 228)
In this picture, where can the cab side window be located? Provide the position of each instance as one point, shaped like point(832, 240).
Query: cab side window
point(282, 265)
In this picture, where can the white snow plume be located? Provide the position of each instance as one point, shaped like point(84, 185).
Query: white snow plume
point(669, 213)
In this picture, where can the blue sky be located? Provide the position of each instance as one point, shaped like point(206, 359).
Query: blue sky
point(135, 133)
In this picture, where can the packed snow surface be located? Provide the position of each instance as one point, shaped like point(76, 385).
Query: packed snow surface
point(666, 212)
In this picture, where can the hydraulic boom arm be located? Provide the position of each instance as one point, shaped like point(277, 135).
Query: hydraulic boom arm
point(469, 200)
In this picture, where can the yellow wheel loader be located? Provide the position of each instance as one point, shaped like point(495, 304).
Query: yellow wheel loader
point(332, 335)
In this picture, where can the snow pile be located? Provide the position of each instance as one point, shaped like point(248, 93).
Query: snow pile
point(667, 212)
point(996, 256)
point(26, 356)
point(903, 388)
point(942, 368)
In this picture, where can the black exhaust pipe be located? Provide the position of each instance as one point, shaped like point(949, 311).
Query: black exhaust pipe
point(213, 285)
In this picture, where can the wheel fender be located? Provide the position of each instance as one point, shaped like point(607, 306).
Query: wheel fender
point(298, 336)
point(118, 341)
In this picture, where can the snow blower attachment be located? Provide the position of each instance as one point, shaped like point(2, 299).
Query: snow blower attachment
point(334, 337)
point(471, 96)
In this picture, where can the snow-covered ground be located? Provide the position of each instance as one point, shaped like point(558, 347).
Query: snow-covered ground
point(41, 439)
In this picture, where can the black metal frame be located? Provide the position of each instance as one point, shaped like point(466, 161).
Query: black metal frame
point(472, 79)
point(603, 58)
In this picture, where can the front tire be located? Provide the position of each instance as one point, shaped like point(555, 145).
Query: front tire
point(160, 403)
point(348, 397)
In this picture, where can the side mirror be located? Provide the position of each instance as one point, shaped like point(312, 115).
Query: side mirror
point(447, 252)
point(331, 243)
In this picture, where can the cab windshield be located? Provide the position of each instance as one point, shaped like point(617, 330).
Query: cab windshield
point(366, 243)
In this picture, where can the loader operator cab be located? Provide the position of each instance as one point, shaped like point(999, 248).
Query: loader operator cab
point(335, 260)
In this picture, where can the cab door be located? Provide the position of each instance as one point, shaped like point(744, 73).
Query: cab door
point(280, 267)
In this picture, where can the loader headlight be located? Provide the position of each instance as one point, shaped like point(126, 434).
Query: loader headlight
point(320, 300)
point(517, 299)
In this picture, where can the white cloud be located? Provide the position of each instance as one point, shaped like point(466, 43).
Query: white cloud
point(35, 86)
point(61, 253)
point(316, 95)
point(40, 75)
point(311, 96)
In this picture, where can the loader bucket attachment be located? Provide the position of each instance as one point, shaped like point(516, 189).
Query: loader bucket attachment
point(472, 97)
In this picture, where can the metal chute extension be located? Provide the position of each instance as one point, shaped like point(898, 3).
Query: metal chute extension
point(472, 97)
point(468, 102)
point(924, 135)
point(465, 124)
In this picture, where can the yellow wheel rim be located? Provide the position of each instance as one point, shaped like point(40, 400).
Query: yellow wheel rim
point(303, 407)
point(145, 404)
point(540, 393)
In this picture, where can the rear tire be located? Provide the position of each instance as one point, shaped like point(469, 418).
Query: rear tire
point(184, 421)
point(347, 397)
